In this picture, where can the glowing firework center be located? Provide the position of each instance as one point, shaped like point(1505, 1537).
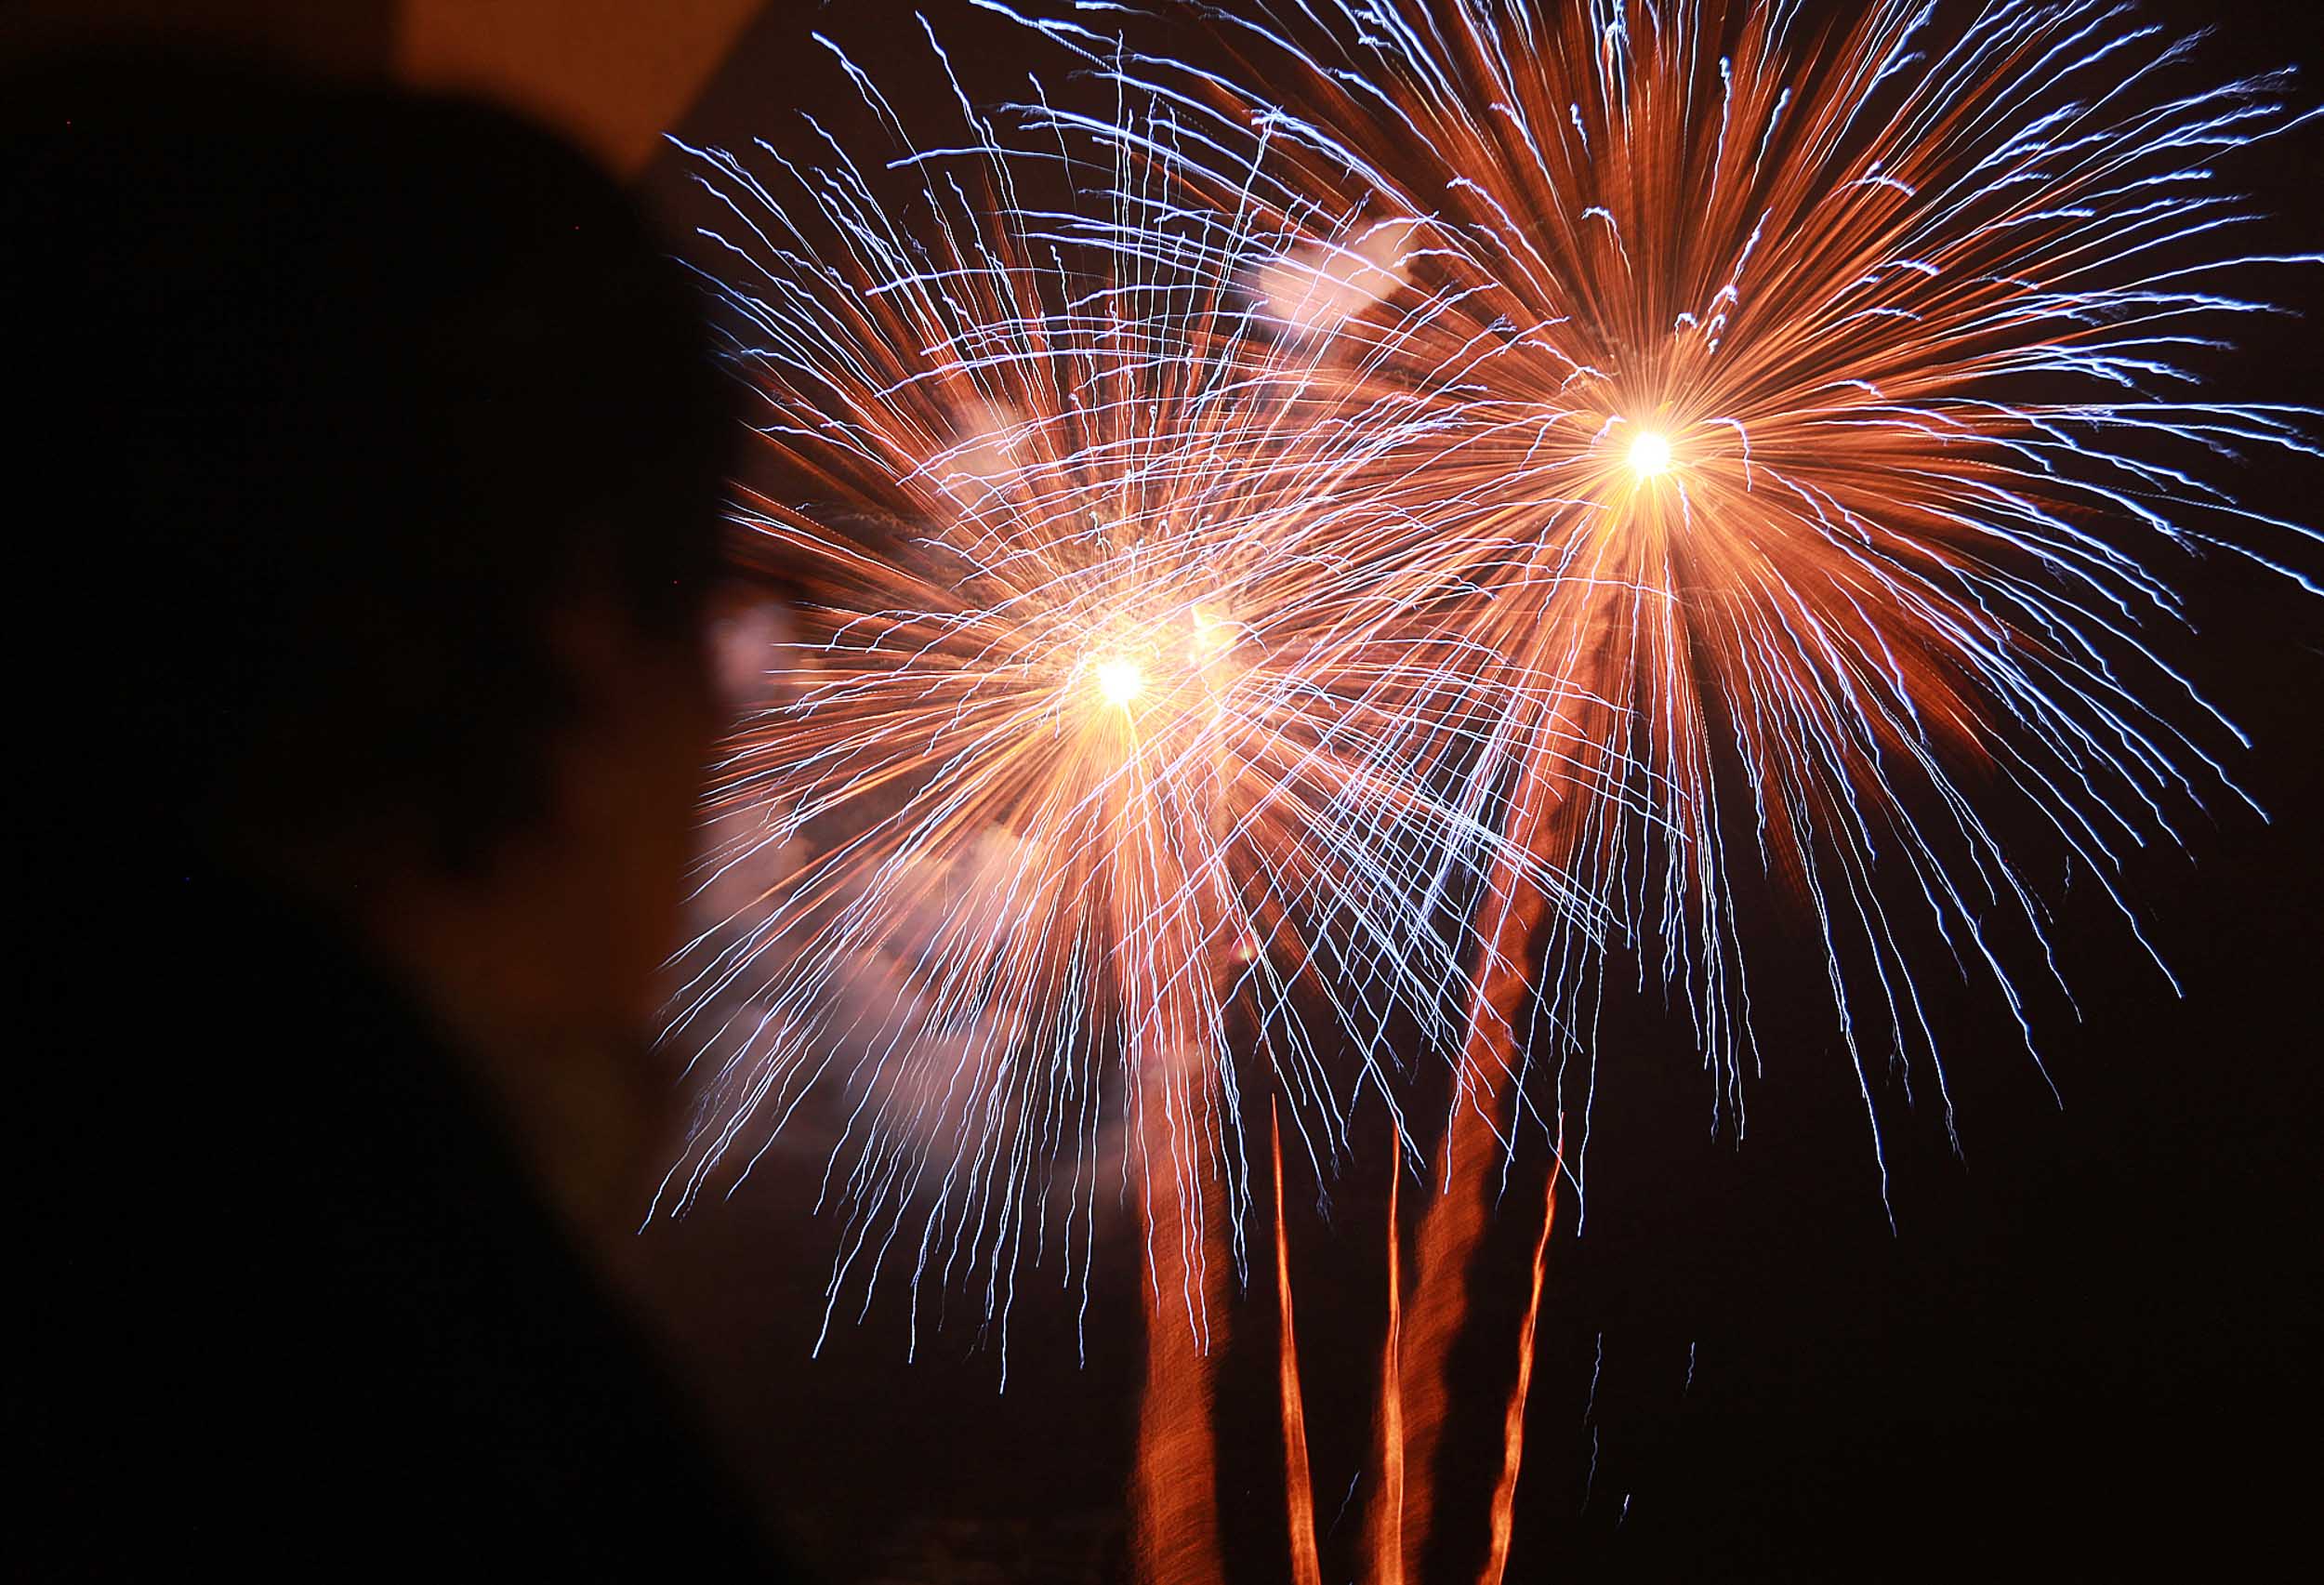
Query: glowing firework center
point(1119, 681)
point(1183, 664)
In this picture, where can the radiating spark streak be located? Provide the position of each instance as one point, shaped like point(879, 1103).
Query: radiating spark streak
point(1299, 1487)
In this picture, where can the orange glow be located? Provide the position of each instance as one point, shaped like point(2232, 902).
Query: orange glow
point(611, 74)
point(1174, 1531)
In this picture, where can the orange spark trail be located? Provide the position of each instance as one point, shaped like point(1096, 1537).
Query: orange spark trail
point(1174, 1532)
point(1456, 1219)
point(1387, 1525)
point(1298, 1491)
point(1174, 1488)
point(1513, 1423)
point(1449, 1237)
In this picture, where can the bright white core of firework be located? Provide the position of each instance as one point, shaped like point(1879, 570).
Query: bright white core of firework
point(1119, 681)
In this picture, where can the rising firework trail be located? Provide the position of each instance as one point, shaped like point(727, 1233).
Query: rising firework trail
point(1501, 1516)
point(1299, 1487)
point(1100, 784)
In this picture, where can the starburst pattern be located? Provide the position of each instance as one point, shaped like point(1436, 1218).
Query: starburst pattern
point(1097, 763)
point(1808, 419)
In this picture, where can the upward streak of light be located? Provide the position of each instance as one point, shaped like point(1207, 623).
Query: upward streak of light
point(1174, 1537)
point(1504, 1507)
point(1387, 1517)
point(1299, 1487)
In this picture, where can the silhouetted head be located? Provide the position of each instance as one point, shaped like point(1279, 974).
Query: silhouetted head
point(380, 454)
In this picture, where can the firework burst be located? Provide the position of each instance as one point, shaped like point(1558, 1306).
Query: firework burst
point(1096, 759)
point(1806, 418)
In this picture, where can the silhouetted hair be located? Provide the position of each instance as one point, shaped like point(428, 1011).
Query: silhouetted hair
point(342, 388)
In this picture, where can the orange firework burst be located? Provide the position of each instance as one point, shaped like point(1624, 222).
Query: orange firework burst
point(1809, 415)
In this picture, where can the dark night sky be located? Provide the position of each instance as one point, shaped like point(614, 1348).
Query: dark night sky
point(2087, 1346)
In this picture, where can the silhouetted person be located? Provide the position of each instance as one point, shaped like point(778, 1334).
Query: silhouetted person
point(377, 457)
